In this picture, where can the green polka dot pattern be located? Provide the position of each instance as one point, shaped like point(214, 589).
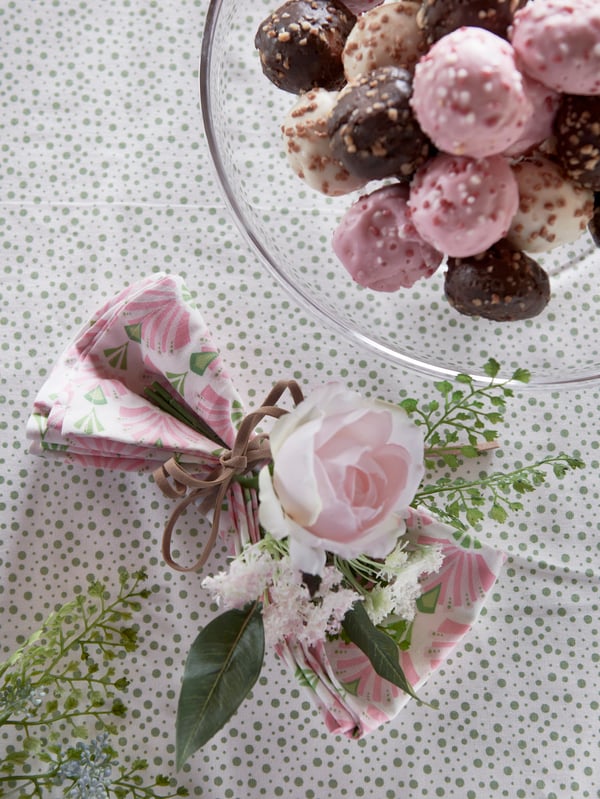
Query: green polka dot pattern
point(105, 179)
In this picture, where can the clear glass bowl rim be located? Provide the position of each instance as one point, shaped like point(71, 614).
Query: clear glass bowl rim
point(296, 293)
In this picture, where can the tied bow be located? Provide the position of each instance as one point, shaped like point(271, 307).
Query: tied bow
point(245, 456)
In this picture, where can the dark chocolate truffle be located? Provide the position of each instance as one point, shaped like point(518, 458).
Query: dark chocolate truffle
point(373, 130)
point(577, 134)
point(301, 44)
point(501, 284)
point(439, 17)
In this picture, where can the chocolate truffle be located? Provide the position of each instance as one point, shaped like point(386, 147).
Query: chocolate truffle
point(301, 44)
point(439, 17)
point(373, 130)
point(577, 133)
point(500, 284)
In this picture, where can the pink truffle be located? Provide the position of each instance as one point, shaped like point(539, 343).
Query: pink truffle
point(378, 244)
point(545, 102)
point(468, 94)
point(558, 43)
point(461, 206)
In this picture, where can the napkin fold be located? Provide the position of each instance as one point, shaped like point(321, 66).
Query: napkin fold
point(338, 676)
point(93, 410)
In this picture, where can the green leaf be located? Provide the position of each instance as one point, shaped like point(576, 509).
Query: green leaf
point(444, 387)
point(379, 647)
point(522, 375)
point(96, 698)
point(474, 516)
point(490, 435)
point(522, 486)
point(469, 452)
point(498, 402)
point(559, 469)
point(72, 701)
point(498, 513)
point(492, 367)
point(409, 405)
point(51, 706)
point(118, 708)
point(453, 509)
point(221, 668)
point(461, 378)
point(128, 638)
point(450, 460)
point(434, 439)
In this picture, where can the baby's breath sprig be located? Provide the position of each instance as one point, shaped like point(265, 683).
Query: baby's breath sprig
point(61, 683)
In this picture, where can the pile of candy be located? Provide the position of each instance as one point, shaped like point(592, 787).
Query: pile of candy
point(482, 117)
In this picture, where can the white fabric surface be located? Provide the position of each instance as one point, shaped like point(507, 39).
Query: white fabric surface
point(105, 178)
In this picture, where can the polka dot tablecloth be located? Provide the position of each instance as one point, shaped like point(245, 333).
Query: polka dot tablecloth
point(105, 179)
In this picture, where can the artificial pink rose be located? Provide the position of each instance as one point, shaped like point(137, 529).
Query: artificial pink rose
point(345, 470)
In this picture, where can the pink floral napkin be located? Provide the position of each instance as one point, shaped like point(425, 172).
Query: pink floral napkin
point(353, 699)
point(92, 410)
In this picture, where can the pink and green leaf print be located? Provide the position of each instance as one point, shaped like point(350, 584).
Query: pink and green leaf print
point(150, 331)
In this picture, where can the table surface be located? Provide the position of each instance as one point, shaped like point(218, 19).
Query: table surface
point(105, 179)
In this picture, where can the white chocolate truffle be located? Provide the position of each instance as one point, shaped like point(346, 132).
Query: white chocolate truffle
point(552, 210)
point(387, 35)
point(307, 145)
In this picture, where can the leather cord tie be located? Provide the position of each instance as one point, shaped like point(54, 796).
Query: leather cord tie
point(248, 451)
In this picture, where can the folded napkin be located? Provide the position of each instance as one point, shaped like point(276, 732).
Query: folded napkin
point(353, 699)
point(94, 410)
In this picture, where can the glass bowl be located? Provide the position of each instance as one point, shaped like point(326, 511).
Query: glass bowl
point(289, 226)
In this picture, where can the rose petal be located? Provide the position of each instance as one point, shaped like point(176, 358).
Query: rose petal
point(362, 427)
point(306, 559)
point(294, 476)
point(270, 512)
point(285, 426)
